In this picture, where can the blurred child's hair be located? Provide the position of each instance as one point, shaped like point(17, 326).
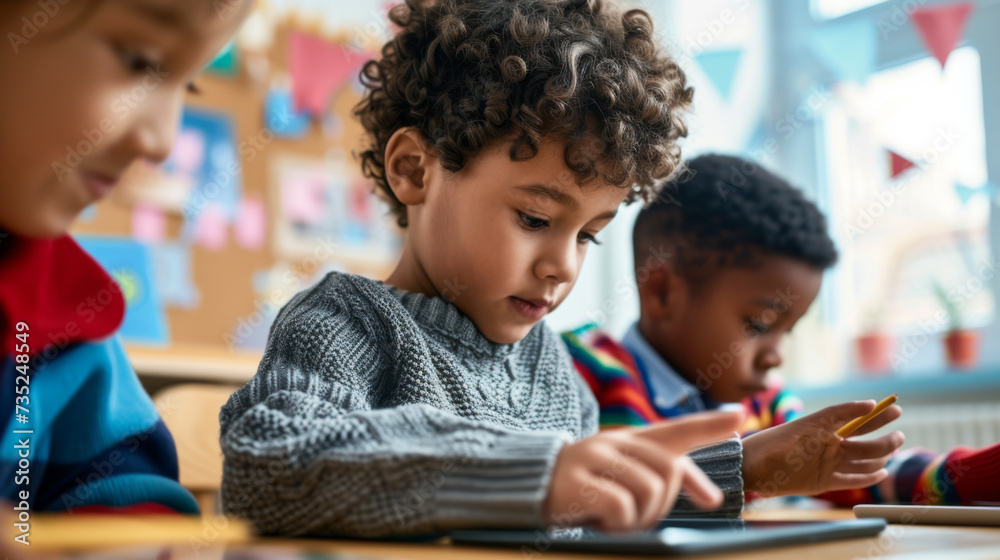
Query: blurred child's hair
point(725, 211)
point(469, 73)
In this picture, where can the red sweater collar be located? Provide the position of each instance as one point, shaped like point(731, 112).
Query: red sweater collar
point(58, 290)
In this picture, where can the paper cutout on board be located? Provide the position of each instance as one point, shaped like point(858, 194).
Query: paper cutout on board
point(250, 230)
point(326, 206)
point(189, 151)
point(941, 27)
point(319, 68)
point(204, 158)
point(303, 195)
point(226, 63)
point(172, 264)
point(281, 117)
point(210, 230)
point(720, 67)
point(848, 48)
point(898, 164)
point(149, 223)
point(130, 263)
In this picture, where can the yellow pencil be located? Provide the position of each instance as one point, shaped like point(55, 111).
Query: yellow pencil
point(849, 427)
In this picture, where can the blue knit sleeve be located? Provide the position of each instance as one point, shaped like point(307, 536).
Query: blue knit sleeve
point(92, 434)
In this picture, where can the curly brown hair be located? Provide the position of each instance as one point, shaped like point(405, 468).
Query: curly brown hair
point(468, 73)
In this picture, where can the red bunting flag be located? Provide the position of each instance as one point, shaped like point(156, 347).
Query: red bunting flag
point(899, 164)
point(941, 27)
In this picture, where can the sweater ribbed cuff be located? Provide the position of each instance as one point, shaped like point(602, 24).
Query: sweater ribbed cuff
point(504, 485)
point(723, 463)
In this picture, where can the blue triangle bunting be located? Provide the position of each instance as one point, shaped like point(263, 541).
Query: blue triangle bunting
point(965, 193)
point(847, 48)
point(720, 67)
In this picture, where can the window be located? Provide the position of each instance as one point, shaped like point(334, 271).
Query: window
point(906, 240)
point(829, 9)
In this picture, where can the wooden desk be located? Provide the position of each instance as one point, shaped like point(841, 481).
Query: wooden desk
point(911, 542)
point(196, 363)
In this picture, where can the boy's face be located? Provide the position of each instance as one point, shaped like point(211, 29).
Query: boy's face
point(503, 240)
point(725, 337)
point(88, 89)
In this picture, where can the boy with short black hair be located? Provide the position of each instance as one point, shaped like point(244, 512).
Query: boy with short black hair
point(746, 254)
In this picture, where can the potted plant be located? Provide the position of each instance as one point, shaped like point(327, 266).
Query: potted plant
point(874, 346)
point(961, 345)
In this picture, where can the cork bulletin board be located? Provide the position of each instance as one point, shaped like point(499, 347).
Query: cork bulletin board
point(295, 207)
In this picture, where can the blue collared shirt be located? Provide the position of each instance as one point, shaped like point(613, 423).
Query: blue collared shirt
point(671, 394)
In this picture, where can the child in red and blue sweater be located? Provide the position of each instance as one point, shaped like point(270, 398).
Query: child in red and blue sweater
point(743, 263)
point(86, 88)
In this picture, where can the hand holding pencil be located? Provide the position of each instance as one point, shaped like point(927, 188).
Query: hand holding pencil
point(810, 456)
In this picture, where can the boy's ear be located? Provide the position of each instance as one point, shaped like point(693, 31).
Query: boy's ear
point(408, 162)
point(661, 293)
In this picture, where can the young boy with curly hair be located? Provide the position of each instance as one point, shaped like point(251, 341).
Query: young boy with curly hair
point(747, 255)
point(505, 135)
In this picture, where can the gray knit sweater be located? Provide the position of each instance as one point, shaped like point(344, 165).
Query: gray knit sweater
point(380, 412)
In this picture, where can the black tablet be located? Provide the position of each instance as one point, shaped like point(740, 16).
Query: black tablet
point(676, 536)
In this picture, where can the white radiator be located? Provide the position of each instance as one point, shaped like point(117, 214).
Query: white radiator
point(943, 426)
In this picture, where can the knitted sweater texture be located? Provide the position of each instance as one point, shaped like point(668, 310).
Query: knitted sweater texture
point(379, 412)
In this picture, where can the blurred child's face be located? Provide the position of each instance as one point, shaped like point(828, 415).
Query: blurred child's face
point(726, 336)
point(503, 240)
point(87, 88)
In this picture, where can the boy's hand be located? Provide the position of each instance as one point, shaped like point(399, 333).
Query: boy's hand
point(807, 457)
point(628, 479)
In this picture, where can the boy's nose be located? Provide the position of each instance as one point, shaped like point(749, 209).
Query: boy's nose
point(153, 129)
point(560, 263)
point(769, 359)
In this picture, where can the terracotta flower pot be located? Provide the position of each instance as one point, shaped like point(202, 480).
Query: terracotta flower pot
point(873, 352)
point(962, 348)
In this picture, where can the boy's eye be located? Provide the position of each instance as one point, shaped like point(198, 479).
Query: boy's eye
point(757, 326)
point(532, 222)
point(585, 237)
point(193, 88)
point(134, 61)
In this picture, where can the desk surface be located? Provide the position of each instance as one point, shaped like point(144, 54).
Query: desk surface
point(194, 362)
point(897, 541)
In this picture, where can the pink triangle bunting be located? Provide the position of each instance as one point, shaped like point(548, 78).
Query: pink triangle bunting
point(941, 27)
point(319, 68)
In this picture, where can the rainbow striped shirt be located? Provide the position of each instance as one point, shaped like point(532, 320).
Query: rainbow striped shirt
point(634, 386)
